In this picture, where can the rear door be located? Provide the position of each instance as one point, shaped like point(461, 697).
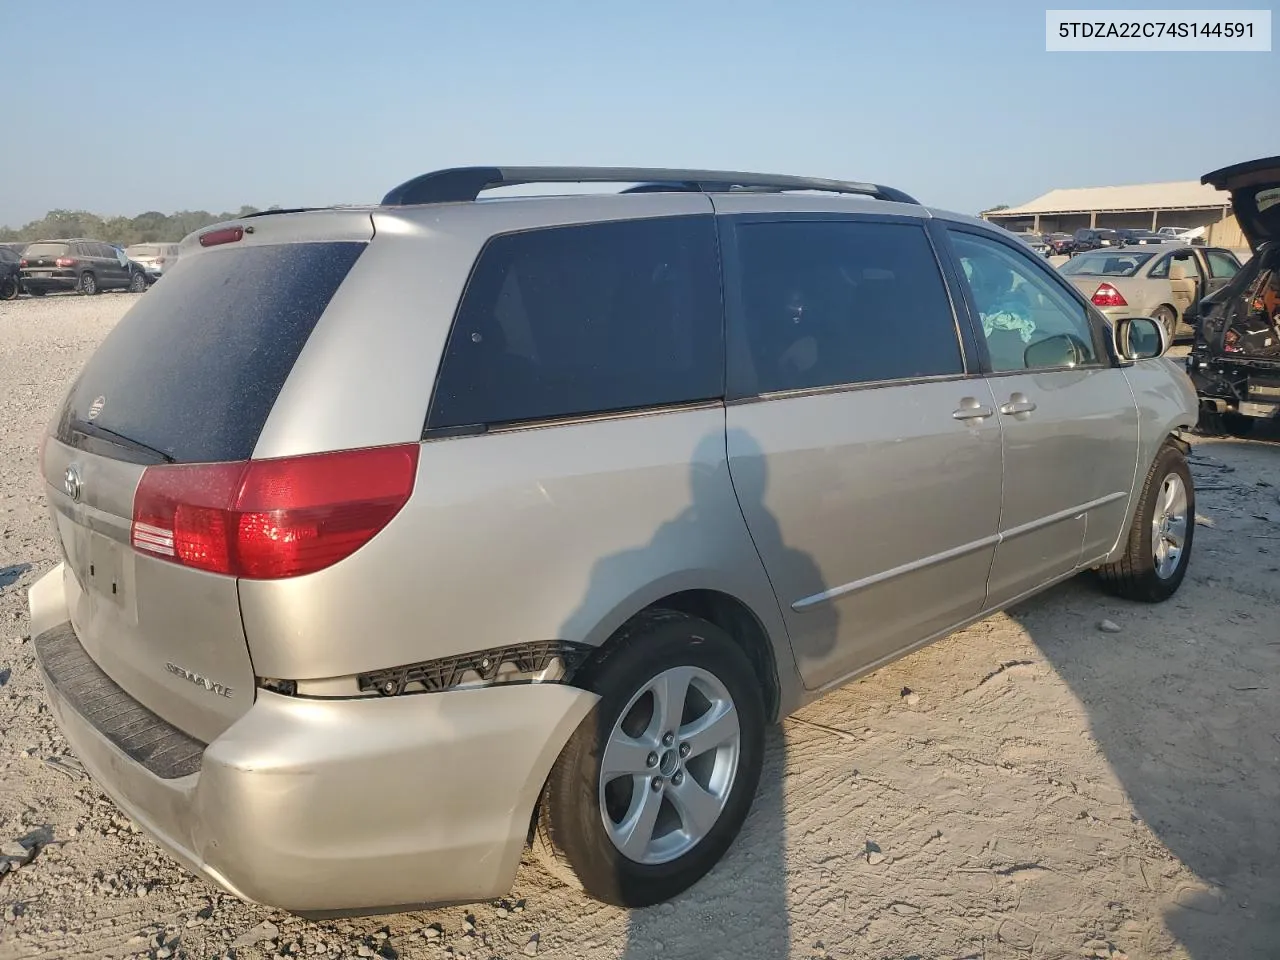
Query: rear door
point(865, 454)
point(189, 375)
point(1221, 266)
point(1068, 418)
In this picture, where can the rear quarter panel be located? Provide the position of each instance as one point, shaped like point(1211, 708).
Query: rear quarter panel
point(554, 532)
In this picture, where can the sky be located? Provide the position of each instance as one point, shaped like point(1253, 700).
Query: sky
point(166, 106)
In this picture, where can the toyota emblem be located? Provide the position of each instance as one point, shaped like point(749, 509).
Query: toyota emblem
point(71, 483)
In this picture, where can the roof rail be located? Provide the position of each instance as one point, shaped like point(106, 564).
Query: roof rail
point(463, 184)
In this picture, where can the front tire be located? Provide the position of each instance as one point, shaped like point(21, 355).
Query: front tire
point(1164, 525)
point(652, 788)
point(9, 288)
point(138, 283)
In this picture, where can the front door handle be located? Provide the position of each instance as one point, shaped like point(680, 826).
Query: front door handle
point(1018, 404)
point(971, 409)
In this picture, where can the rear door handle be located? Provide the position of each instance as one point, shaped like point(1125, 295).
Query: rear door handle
point(971, 409)
point(1017, 404)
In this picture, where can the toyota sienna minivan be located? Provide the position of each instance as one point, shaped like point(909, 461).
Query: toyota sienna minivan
point(396, 539)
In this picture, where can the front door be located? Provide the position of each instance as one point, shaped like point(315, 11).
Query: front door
point(866, 458)
point(1068, 418)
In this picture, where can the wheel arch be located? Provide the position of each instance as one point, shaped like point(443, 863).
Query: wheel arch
point(767, 649)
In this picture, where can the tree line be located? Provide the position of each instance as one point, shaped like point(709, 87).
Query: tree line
point(149, 227)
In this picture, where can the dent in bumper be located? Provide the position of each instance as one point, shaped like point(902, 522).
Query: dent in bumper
point(319, 806)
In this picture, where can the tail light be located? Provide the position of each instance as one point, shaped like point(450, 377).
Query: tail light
point(225, 235)
point(269, 519)
point(65, 262)
point(22, 262)
point(1108, 296)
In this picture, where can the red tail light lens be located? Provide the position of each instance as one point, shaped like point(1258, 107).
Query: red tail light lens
point(269, 519)
point(22, 262)
point(65, 262)
point(225, 235)
point(1108, 296)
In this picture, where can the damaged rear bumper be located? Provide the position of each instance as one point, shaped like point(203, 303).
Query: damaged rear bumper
point(329, 806)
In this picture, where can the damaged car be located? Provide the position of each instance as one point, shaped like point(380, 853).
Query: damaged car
point(1235, 360)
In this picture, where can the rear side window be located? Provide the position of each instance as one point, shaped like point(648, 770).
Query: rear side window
point(831, 302)
point(577, 320)
point(193, 369)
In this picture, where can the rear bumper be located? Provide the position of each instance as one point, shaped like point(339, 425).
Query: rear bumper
point(328, 806)
point(50, 283)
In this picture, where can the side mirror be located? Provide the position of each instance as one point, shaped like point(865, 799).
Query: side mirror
point(1062, 350)
point(1141, 338)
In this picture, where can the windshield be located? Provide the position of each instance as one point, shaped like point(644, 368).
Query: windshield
point(1105, 264)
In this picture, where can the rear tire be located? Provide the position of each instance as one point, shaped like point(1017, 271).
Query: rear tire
point(88, 284)
point(1159, 545)
point(683, 779)
point(1169, 320)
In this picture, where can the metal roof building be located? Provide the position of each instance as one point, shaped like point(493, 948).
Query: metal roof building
point(1181, 203)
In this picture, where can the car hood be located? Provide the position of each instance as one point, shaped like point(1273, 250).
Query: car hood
point(1255, 197)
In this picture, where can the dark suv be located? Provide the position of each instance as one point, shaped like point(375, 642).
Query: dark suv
point(1090, 239)
point(9, 283)
point(85, 266)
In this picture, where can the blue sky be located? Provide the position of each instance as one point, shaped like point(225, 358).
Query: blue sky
point(211, 105)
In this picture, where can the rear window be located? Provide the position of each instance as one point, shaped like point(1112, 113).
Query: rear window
point(46, 250)
point(568, 321)
point(1105, 264)
point(142, 250)
point(193, 369)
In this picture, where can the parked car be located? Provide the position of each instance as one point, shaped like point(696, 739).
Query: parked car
point(153, 257)
point(1059, 244)
point(1035, 241)
point(1088, 239)
point(85, 266)
point(1235, 359)
point(394, 537)
point(1128, 237)
point(10, 282)
point(1164, 282)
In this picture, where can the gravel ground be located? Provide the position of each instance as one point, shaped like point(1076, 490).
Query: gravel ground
point(1040, 785)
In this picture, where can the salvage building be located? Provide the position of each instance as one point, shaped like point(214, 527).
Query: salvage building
point(1143, 206)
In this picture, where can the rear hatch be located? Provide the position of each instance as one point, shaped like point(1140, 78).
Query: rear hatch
point(187, 377)
point(48, 260)
point(1255, 197)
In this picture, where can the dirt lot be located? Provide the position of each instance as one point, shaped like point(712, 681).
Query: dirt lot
point(1032, 787)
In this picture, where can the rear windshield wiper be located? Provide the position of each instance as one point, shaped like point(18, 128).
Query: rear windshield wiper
point(117, 439)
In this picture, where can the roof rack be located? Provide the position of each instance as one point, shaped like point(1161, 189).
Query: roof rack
point(464, 184)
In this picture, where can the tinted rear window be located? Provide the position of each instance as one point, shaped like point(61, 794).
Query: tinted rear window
point(827, 303)
point(193, 369)
point(587, 319)
point(46, 250)
point(142, 250)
